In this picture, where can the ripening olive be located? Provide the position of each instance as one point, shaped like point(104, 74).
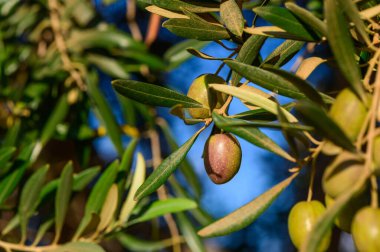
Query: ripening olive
point(208, 98)
point(366, 229)
point(341, 174)
point(349, 113)
point(301, 220)
point(222, 157)
point(344, 220)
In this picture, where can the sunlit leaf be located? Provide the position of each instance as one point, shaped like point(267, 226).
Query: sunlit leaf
point(135, 244)
point(245, 215)
point(308, 66)
point(109, 207)
point(165, 13)
point(152, 94)
point(165, 169)
point(193, 6)
point(284, 52)
point(78, 247)
point(261, 114)
point(232, 17)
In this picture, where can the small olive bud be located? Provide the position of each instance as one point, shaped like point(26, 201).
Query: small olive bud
point(366, 229)
point(199, 91)
point(302, 218)
point(222, 157)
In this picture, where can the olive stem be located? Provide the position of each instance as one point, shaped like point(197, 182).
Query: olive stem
point(223, 64)
point(313, 171)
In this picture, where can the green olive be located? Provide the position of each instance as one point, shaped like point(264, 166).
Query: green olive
point(349, 113)
point(222, 157)
point(366, 229)
point(341, 174)
point(346, 216)
point(302, 218)
point(199, 91)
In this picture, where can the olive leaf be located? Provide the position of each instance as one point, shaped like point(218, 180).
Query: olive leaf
point(187, 229)
point(178, 5)
point(133, 243)
point(152, 94)
point(165, 169)
point(245, 215)
point(283, 53)
point(232, 17)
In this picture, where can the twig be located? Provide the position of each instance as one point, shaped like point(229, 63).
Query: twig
point(153, 28)
point(131, 20)
point(61, 45)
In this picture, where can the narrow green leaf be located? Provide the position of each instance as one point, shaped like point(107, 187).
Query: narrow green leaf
point(326, 221)
point(245, 215)
point(152, 94)
point(188, 231)
point(108, 65)
point(98, 196)
point(307, 17)
point(232, 17)
point(273, 32)
point(105, 114)
point(202, 55)
point(270, 81)
point(352, 12)
point(284, 19)
point(196, 29)
point(57, 115)
point(303, 86)
point(165, 13)
point(251, 134)
point(165, 169)
point(284, 52)
point(78, 247)
point(12, 224)
point(193, 6)
point(342, 46)
point(9, 182)
point(163, 207)
point(43, 228)
point(5, 154)
point(11, 136)
point(135, 244)
point(125, 166)
point(138, 179)
point(29, 196)
point(253, 98)
point(324, 125)
point(62, 198)
point(261, 114)
point(109, 207)
point(248, 53)
point(178, 54)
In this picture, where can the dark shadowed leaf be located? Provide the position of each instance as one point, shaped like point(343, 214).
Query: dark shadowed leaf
point(248, 53)
point(10, 181)
point(303, 86)
point(245, 215)
point(232, 17)
point(62, 198)
point(284, 52)
point(326, 221)
point(270, 81)
point(162, 207)
point(42, 230)
point(202, 55)
point(5, 154)
point(188, 231)
point(309, 18)
point(284, 19)
point(152, 94)
point(165, 169)
point(342, 46)
point(29, 196)
point(324, 125)
point(251, 134)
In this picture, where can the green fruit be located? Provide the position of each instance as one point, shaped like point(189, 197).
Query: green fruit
point(209, 99)
point(222, 157)
point(341, 174)
point(346, 216)
point(366, 230)
point(302, 218)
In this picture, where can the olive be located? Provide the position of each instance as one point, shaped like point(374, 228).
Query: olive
point(341, 174)
point(222, 157)
point(366, 229)
point(209, 99)
point(302, 218)
point(347, 107)
point(344, 220)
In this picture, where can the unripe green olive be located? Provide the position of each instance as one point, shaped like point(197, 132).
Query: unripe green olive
point(366, 229)
point(222, 157)
point(349, 113)
point(209, 99)
point(302, 218)
point(344, 220)
point(341, 174)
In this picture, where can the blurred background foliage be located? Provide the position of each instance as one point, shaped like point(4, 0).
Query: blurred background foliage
point(57, 60)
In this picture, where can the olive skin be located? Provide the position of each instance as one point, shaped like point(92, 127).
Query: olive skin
point(366, 229)
point(301, 220)
point(222, 157)
point(341, 174)
point(199, 92)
